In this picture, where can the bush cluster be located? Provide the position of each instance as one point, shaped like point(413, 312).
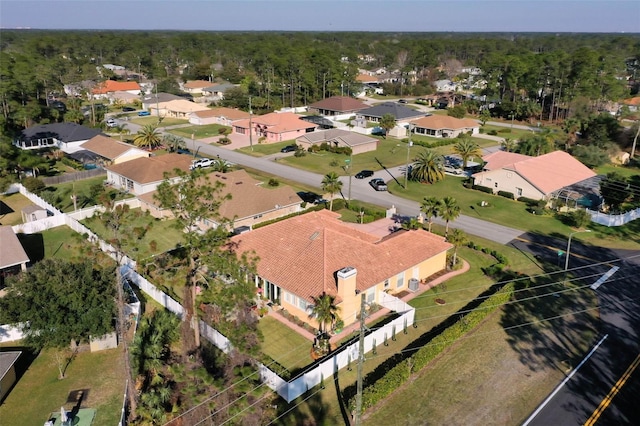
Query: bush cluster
point(506, 194)
point(72, 163)
point(500, 258)
point(294, 319)
point(324, 146)
point(442, 142)
point(482, 188)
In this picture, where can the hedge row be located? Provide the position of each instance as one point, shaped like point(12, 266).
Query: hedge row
point(482, 188)
point(506, 194)
point(403, 370)
point(497, 255)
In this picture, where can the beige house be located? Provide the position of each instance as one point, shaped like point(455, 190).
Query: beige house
point(250, 203)
point(444, 126)
point(112, 151)
point(177, 108)
point(274, 127)
point(531, 177)
point(337, 105)
point(358, 143)
point(221, 116)
point(143, 175)
point(195, 86)
point(305, 256)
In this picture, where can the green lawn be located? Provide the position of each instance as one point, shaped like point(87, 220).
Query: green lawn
point(626, 171)
point(153, 120)
point(11, 208)
point(506, 132)
point(262, 149)
point(284, 345)
point(39, 393)
point(165, 235)
point(60, 195)
point(198, 132)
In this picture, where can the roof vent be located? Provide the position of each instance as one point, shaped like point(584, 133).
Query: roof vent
point(314, 235)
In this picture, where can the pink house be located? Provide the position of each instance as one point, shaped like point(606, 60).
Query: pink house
point(274, 127)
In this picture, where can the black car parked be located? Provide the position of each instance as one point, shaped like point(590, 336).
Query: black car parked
point(289, 148)
point(364, 174)
point(128, 109)
point(311, 197)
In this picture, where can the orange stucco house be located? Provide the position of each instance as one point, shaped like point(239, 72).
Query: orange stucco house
point(274, 127)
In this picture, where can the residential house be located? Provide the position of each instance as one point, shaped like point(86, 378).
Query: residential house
point(445, 86)
point(444, 126)
point(222, 116)
point(337, 105)
point(274, 127)
point(122, 97)
point(111, 151)
point(369, 84)
point(358, 143)
point(66, 136)
point(106, 89)
point(338, 259)
point(538, 178)
point(399, 112)
point(32, 213)
point(153, 99)
point(250, 202)
point(177, 108)
point(143, 175)
point(13, 258)
point(8, 375)
point(633, 104)
point(195, 86)
point(216, 92)
point(78, 89)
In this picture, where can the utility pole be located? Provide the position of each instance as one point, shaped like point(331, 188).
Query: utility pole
point(250, 126)
point(348, 168)
point(360, 360)
point(406, 170)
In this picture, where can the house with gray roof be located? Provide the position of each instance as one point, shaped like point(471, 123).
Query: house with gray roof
point(153, 99)
point(8, 374)
point(216, 91)
point(13, 258)
point(358, 143)
point(66, 136)
point(399, 112)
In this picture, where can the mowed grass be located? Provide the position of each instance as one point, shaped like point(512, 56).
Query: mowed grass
point(39, 392)
point(11, 206)
point(199, 132)
point(263, 149)
point(284, 345)
point(153, 120)
point(163, 232)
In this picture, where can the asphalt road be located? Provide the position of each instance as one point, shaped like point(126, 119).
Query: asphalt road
point(612, 364)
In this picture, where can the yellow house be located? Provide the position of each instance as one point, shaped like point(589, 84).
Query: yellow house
point(304, 256)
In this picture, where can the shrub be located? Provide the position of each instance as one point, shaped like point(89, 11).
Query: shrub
point(273, 182)
point(300, 152)
point(33, 184)
point(506, 194)
point(528, 201)
point(224, 141)
point(482, 189)
point(492, 132)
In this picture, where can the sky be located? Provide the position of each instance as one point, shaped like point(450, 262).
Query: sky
point(586, 16)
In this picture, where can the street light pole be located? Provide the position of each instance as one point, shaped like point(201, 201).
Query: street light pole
point(406, 170)
point(566, 261)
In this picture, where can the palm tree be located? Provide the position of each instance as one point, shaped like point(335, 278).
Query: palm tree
point(324, 310)
point(387, 122)
point(221, 166)
point(428, 167)
point(331, 184)
point(466, 148)
point(148, 137)
point(508, 144)
point(457, 238)
point(173, 142)
point(449, 210)
point(430, 207)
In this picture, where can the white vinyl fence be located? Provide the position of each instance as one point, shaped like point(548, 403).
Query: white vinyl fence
point(287, 390)
point(614, 219)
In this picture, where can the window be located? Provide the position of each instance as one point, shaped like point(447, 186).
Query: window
point(496, 184)
point(371, 295)
point(302, 304)
point(386, 284)
point(400, 282)
point(287, 297)
point(519, 192)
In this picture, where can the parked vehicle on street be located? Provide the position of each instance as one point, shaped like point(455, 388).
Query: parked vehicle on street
point(111, 123)
point(201, 163)
point(144, 113)
point(378, 184)
point(128, 109)
point(364, 174)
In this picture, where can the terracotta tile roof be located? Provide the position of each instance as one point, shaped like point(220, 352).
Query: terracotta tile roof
point(248, 197)
point(364, 78)
point(437, 122)
point(229, 113)
point(316, 245)
point(11, 251)
point(278, 122)
point(632, 102)
point(196, 84)
point(107, 147)
point(151, 169)
point(340, 104)
point(114, 86)
point(550, 172)
point(500, 159)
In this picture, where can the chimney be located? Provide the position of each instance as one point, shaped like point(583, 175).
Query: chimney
point(347, 292)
